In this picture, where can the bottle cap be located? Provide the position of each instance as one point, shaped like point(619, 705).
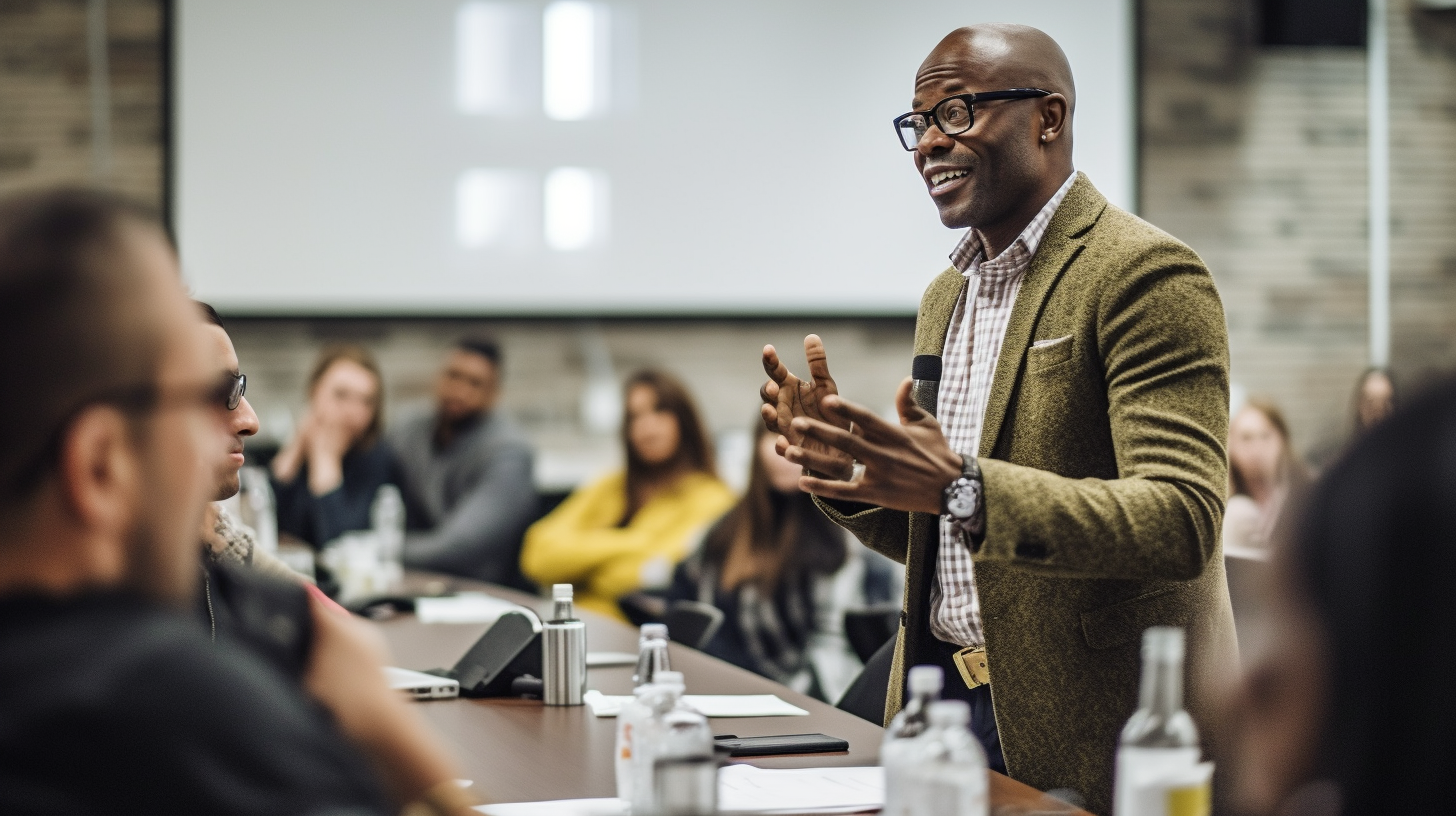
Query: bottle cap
point(561, 592)
point(1163, 644)
point(925, 680)
point(653, 630)
point(669, 678)
point(945, 713)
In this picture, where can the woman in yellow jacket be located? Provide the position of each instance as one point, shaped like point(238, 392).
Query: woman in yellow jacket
point(629, 530)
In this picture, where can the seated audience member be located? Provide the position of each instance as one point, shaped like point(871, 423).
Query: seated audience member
point(1372, 401)
point(1346, 705)
point(1263, 467)
point(112, 697)
point(225, 539)
point(1374, 398)
point(784, 575)
point(467, 473)
point(325, 478)
point(628, 530)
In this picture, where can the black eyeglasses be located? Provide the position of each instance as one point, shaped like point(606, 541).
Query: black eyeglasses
point(237, 387)
point(953, 114)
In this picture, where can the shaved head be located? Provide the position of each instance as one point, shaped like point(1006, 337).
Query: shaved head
point(998, 174)
point(1015, 56)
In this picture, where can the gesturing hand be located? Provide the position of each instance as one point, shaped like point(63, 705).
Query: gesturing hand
point(906, 466)
point(786, 397)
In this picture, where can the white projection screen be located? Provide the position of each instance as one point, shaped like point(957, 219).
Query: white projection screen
point(523, 157)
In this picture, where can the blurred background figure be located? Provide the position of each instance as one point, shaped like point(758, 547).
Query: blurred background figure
point(784, 576)
point(1319, 726)
point(325, 478)
point(466, 470)
point(628, 530)
point(1263, 467)
point(1372, 400)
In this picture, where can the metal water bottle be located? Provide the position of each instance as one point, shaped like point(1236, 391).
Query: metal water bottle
point(563, 652)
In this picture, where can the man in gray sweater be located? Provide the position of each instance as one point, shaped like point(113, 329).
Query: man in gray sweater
point(467, 474)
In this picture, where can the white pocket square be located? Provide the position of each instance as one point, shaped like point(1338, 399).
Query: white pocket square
point(1052, 342)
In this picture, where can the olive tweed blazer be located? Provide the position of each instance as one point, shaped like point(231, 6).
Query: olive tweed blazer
point(1105, 475)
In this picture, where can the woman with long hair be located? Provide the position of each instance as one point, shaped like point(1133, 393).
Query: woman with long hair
point(628, 530)
point(325, 478)
point(784, 575)
point(1263, 468)
point(1345, 705)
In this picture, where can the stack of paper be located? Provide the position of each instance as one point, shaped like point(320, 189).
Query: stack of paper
point(468, 607)
point(711, 705)
point(746, 789)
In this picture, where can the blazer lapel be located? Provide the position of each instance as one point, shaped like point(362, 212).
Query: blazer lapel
point(1079, 210)
point(937, 306)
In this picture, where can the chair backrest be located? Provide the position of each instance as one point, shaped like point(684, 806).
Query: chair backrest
point(868, 629)
point(692, 623)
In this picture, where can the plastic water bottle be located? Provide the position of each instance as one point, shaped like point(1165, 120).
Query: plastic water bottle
point(651, 653)
point(648, 744)
point(630, 723)
point(255, 507)
point(684, 771)
point(949, 776)
point(387, 514)
point(1160, 741)
point(923, 685)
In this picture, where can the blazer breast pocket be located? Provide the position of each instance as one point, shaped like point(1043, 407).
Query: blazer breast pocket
point(1047, 353)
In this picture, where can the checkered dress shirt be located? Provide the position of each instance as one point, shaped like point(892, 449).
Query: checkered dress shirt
point(972, 344)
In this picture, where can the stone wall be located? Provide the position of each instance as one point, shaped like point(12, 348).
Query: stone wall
point(1257, 158)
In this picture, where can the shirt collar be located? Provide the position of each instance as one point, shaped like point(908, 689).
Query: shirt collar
point(969, 254)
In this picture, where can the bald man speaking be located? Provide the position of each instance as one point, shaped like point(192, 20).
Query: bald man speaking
point(1069, 495)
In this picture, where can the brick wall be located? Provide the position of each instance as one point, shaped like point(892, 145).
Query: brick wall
point(1254, 156)
point(45, 98)
point(1257, 158)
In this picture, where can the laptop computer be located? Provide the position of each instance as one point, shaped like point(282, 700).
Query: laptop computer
point(422, 686)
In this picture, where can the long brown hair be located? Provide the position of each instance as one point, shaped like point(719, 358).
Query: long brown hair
point(693, 454)
point(360, 356)
point(1292, 471)
point(768, 538)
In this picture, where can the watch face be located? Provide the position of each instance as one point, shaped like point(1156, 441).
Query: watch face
point(961, 502)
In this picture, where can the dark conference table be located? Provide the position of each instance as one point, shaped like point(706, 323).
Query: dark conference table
point(518, 750)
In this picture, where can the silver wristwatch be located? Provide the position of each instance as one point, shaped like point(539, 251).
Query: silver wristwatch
point(960, 501)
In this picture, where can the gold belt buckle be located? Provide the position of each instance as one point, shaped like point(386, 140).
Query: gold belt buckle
point(972, 664)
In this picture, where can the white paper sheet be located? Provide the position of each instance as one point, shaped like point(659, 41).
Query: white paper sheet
point(711, 705)
point(604, 659)
point(560, 807)
point(747, 789)
point(468, 607)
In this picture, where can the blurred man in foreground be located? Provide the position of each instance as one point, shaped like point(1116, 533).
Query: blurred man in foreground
point(467, 474)
point(112, 698)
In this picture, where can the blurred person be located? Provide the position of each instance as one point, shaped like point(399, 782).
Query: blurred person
point(466, 471)
point(225, 539)
point(112, 698)
point(1345, 706)
point(1263, 468)
point(326, 477)
point(784, 575)
point(628, 530)
point(1373, 399)
point(1069, 492)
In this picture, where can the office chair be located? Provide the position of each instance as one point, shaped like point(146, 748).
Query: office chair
point(869, 629)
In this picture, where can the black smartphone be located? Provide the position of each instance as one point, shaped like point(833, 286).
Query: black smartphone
point(782, 744)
